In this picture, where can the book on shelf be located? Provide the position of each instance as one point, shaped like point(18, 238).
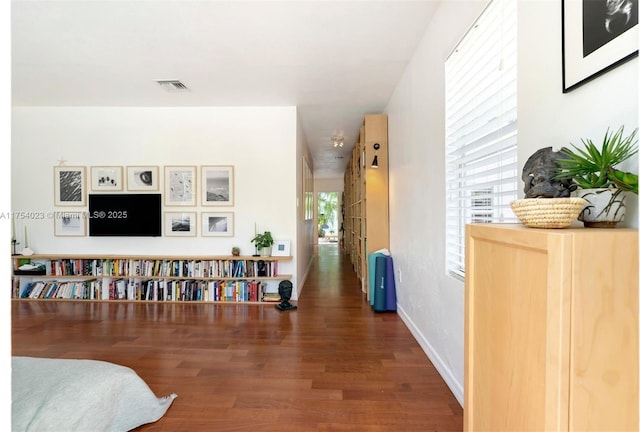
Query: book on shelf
point(53, 287)
point(15, 288)
point(26, 290)
point(37, 289)
point(271, 297)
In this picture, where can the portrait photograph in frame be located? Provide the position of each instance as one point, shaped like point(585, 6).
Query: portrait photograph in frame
point(180, 224)
point(281, 248)
point(69, 186)
point(180, 185)
point(143, 178)
point(217, 185)
point(70, 224)
point(217, 224)
point(596, 38)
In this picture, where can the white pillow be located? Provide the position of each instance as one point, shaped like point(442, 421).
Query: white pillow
point(80, 395)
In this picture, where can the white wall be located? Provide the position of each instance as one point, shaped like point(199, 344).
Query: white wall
point(304, 227)
point(5, 223)
point(546, 116)
point(430, 302)
point(259, 142)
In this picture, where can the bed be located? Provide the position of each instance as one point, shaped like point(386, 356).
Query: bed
point(80, 395)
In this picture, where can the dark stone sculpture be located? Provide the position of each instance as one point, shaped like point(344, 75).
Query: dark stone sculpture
point(285, 289)
point(538, 175)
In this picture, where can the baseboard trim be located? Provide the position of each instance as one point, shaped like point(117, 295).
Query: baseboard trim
point(454, 385)
point(302, 280)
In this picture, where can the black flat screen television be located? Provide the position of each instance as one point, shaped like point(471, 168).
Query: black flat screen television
point(126, 215)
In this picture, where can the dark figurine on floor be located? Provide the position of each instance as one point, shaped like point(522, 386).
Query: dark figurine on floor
point(284, 289)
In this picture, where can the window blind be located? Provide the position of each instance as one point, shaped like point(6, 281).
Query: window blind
point(481, 127)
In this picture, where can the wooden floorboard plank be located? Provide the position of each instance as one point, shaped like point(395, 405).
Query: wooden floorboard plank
point(333, 365)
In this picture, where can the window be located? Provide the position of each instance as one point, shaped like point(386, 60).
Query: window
point(481, 206)
point(481, 127)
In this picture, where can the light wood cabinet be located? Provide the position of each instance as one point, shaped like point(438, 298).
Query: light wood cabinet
point(366, 196)
point(551, 331)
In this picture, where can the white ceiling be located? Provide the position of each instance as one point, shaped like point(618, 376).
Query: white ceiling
point(335, 60)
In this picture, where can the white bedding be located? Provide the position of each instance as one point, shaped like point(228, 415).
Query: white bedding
point(80, 395)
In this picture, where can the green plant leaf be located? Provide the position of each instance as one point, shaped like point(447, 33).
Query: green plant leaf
point(589, 166)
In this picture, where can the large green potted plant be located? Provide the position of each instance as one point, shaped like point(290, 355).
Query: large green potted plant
point(263, 243)
point(593, 170)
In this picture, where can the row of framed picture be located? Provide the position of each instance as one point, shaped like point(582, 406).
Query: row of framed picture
point(180, 183)
point(175, 224)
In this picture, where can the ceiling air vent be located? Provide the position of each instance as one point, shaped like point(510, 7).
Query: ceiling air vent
point(172, 85)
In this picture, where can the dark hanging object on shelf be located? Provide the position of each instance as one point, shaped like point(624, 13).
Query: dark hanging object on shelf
point(284, 289)
point(374, 164)
point(262, 268)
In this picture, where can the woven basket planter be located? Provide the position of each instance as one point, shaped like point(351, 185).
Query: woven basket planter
point(548, 212)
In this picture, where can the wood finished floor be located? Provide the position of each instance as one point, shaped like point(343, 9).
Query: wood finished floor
point(332, 365)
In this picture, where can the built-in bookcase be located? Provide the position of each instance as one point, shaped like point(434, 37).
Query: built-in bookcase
point(239, 279)
point(366, 201)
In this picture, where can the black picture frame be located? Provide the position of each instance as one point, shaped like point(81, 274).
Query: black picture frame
point(596, 40)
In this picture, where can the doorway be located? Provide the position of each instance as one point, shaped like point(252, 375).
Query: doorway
point(328, 222)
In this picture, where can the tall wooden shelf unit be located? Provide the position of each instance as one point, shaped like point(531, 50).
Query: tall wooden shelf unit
point(551, 329)
point(241, 279)
point(367, 196)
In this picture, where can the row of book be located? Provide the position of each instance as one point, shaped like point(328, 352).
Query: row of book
point(175, 268)
point(156, 290)
point(185, 290)
point(81, 290)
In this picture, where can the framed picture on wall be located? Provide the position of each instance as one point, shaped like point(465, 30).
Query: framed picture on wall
point(307, 190)
point(180, 224)
point(597, 36)
point(180, 185)
point(217, 185)
point(106, 178)
point(70, 224)
point(143, 178)
point(217, 224)
point(69, 186)
point(281, 248)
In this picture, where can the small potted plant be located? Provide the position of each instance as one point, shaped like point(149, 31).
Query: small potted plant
point(235, 251)
point(263, 243)
point(597, 179)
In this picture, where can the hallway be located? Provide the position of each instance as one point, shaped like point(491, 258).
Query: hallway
point(331, 365)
